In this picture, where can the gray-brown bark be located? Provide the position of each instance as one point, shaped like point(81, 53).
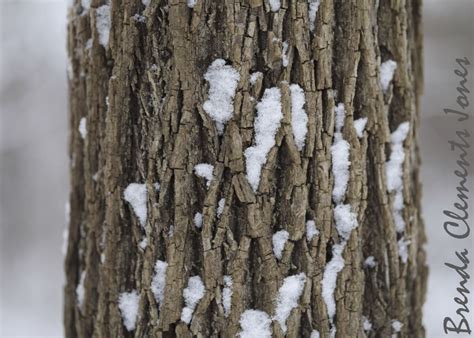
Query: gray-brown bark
point(142, 96)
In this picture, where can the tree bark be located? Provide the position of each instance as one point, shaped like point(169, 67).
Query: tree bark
point(141, 96)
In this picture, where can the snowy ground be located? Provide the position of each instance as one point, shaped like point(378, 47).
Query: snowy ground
point(33, 161)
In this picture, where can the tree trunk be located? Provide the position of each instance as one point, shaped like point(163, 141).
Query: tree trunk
point(139, 84)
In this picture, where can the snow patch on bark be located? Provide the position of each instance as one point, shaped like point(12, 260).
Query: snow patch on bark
point(192, 295)
point(279, 240)
point(266, 124)
point(287, 298)
point(299, 118)
point(223, 80)
point(128, 305)
point(255, 324)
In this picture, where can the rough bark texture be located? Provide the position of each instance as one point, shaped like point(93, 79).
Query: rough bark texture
point(143, 95)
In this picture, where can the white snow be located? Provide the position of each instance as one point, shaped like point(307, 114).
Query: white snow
point(102, 24)
point(394, 173)
point(370, 262)
point(192, 3)
point(275, 5)
point(345, 220)
point(403, 249)
point(86, 4)
point(220, 207)
point(279, 239)
point(311, 230)
point(227, 295)
point(255, 324)
point(171, 231)
point(329, 282)
point(83, 127)
point(359, 126)
point(313, 6)
point(223, 80)
point(397, 157)
point(158, 282)
point(287, 298)
point(387, 69)
point(192, 295)
point(128, 305)
point(80, 292)
point(139, 18)
point(396, 325)
point(204, 170)
point(299, 118)
point(254, 77)
point(143, 243)
point(284, 56)
point(340, 158)
point(366, 324)
point(146, 2)
point(266, 124)
point(198, 220)
point(315, 334)
point(137, 196)
point(340, 115)
point(89, 44)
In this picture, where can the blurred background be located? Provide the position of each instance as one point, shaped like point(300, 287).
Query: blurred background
point(34, 166)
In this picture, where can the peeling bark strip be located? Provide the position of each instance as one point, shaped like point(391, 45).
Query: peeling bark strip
point(173, 93)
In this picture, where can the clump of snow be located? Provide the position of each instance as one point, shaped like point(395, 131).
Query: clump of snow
point(279, 240)
point(284, 56)
point(315, 334)
point(137, 196)
point(198, 220)
point(205, 170)
point(139, 18)
point(220, 207)
point(80, 292)
point(313, 6)
point(223, 80)
point(275, 5)
point(340, 158)
point(370, 262)
point(83, 127)
point(227, 295)
point(86, 4)
point(359, 126)
point(394, 173)
point(340, 115)
point(192, 3)
point(329, 282)
point(397, 157)
point(128, 305)
point(396, 325)
point(102, 24)
point(287, 298)
point(387, 69)
point(158, 282)
point(171, 231)
point(299, 118)
point(146, 2)
point(254, 77)
point(311, 230)
point(192, 295)
point(266, 124)
point(255, 324)
point(403, 249)
point(345, 220)
point(143, 243)
point(366, 324)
